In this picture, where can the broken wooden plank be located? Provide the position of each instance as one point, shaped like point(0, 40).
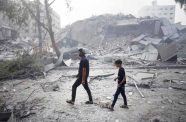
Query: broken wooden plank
point(30, 95)
point(134, 81)
point(101, 76)
point(15, 84)
point(178, 88)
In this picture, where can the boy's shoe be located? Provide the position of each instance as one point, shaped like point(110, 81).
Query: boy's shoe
point(124, 106)
point(70, 102)
point(111, 108)
point(89, 102)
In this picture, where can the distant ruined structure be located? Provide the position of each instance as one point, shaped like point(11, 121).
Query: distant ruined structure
point(160, 11)
point(31, 30)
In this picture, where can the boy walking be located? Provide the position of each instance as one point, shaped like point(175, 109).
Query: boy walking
point(121, 85)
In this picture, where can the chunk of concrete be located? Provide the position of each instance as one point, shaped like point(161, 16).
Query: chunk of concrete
point(142, 36)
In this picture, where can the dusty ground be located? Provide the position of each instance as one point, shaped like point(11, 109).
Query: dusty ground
point(161, 103)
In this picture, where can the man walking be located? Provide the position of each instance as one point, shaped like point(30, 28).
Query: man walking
point(82, 76)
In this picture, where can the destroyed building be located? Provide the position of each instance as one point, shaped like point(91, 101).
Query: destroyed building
point(30, 30)
point(149, 38)
point(7, 33)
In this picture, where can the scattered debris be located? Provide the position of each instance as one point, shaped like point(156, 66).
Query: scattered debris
point(144, 75)
point(4, 89)
point(56, 88)
point(178, 87)
point(146, 86)
point(130, 93)
point(181, 103)
point(50, 86)
point(101, 76)
point(104, 104)
point(139, 38)
point(23, 109)
point(134, 81)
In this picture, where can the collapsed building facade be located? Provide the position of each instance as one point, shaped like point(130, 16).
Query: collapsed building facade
point(144, 38)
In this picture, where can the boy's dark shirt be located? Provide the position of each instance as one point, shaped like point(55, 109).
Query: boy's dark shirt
point(84, 63)
point(121, 75)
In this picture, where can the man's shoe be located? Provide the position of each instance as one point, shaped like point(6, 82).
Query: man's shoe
point(111, 108)
point(89, 102)
point(124, 106)
point(70, 102)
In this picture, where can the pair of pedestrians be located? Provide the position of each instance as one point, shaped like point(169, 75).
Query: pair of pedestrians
point(83, 74)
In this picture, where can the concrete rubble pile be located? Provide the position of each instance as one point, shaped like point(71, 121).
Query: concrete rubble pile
point(164, 46)
point(9, 49)
point(140, 40)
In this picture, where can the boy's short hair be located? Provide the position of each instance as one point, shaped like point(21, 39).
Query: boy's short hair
point(118, 61)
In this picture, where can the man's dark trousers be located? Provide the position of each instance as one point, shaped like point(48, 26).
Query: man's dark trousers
point(85, 85)
point(119, 90)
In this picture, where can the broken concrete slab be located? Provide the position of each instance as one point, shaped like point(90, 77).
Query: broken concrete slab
point(174, 36)
point(142, 75)
point(180, 27)
point(144, 42)
point(52, 65)
point(49, 67)
point(168, 30)
point(108, 59)
point(68, 62)
point(168, 52)
point(137, 47)
point(153, 40)
point(150, 53)
point(142, 36)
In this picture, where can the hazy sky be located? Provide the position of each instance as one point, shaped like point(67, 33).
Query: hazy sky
point(86, 8)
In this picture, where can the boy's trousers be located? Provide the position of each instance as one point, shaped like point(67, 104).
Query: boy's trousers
point(118, 91)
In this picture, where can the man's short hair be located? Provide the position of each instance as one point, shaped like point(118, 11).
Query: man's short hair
point(118, 61)
point(81, 50)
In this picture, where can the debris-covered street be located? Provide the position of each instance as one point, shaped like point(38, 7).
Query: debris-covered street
point(44, 99)
point(92, 61)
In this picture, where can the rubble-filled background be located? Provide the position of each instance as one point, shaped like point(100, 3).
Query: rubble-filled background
point(35, 81)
